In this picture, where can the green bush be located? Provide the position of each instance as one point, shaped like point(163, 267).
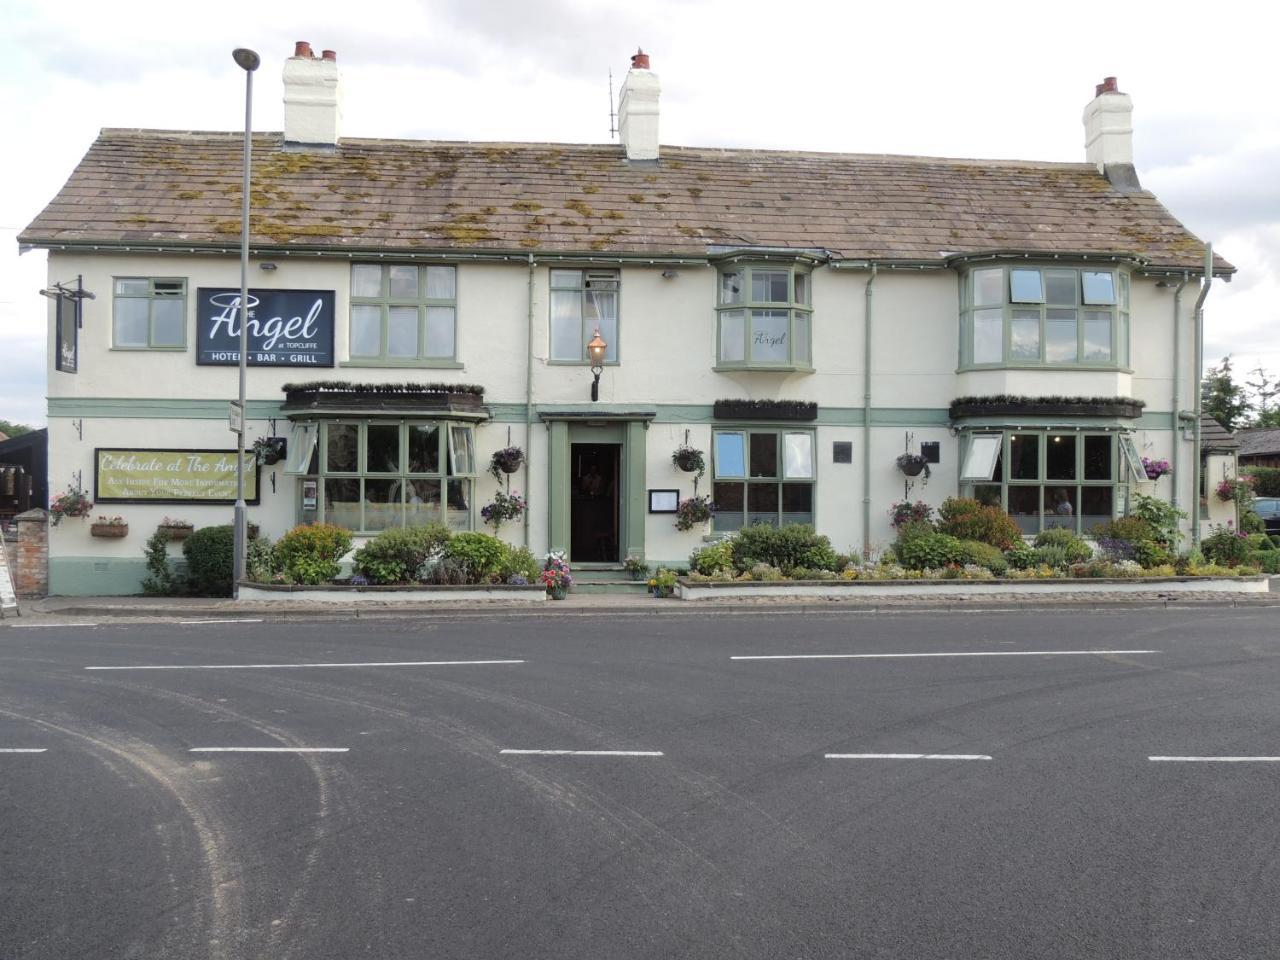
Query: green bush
point(1020, 556)
point(1250, 522)
point(210, 552)
point(1225, 547)
point(1075, 549)
point(1057, 556)
point(309, 553)
point(786, 547)
point(1266, 480)
point(930, 551)
point(1268, 561)
point(1163, 517)
point(1151, 554)
point(984, 555)
point(520, 561)
point(396, 555)
point(260, 563)
point(481, 556)
point(712, 558)
point(1259, 541)
point(967, 519)
point(160, 579)
point(1128, 529)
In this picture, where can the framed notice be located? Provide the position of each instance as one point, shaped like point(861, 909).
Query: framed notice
point(144, 475)
point(67, 358)
point(664, 501)
point(287, 328)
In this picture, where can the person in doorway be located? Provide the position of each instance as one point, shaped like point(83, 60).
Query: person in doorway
point(593, 482)
point(1062, 504)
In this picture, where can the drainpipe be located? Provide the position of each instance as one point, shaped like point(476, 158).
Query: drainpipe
point(1199, 318)
point(1177, 380)
point(528, 407)
point(866, 418)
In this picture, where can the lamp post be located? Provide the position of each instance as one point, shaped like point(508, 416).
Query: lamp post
point(248, 61)
point(596, 349)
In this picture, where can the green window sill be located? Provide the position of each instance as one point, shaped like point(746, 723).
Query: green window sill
point(418, 364)
point(1056, 367)
point(182, 349)
point(580, 363)
point(762, 368)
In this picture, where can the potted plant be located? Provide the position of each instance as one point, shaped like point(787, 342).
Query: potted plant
point(112, 527)
point(556, 576)
point(663, 583)
point(504, 507)
point(269, 451)
point(176, 529)
point(73, 503)
point(507, 460)
point(906, 512)
point(690, 460)
point(1155, 468)
point(912, 464)
point(635, 566)
point(693, 511)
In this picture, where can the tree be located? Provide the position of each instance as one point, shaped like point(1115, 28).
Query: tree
point(1222, 398)
point(14, 429)
point(1265, 389)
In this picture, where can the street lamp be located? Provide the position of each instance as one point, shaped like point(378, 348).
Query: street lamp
point(248, 61)
point(595, 353)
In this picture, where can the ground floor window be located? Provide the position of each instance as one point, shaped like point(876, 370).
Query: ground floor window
point(1050, 478)
point(370, 475)
point(762, 475)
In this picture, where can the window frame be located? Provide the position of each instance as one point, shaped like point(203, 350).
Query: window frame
point(1119, 315)
point(778, 480)
point(151, 297)
point(747, 305)
point(385, 302)
point(585, 333)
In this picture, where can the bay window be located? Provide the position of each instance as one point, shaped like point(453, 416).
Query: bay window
point(765, 318)
point(762, 475)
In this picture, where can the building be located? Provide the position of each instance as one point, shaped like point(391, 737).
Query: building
point(1259, 446)
point(1030, 329)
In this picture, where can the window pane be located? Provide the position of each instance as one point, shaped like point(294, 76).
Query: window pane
point(458, 509)
point(342, 503)
point(988, 336)
point(988, 287)
point(1124, 291)
point(1060, 507)
point(403, 282)
point(988, 495)
point(1097, 335)
point(731, 287)
point(462, 457)
point(1060, 458)
point(1098, 287)
point(1024, 507)
point(981, 458)
point(769, 286)
point(764, 454)
point(132, 319)
point(382, 504)
point(366, 280)
point(341, 444)
point(762, 503)
point(601, 310)
point(797, 456)
point(402, 332)
point(1024, 335)
point(440, 333)
point(801, 327)
point(1097, 458)
point(366, 331)
point(769, 336)
point(168, 323)
point(1132, 460)
point(441, 283)
point(797, 503)
point(571, 279)
point(1122, 341)
point(422, 504)
point(1062, 286)
point(1025, 286)
point(733, 336)
point(424, 448)
point(802, 288)
point(567, 342)
point(302, 449)
point(1060, 336)
point(382, 448)
point(731, 455)
point(730, 501)
point(133, 288)
point(609, 332)
point(1024, 456)
point(1096, 506)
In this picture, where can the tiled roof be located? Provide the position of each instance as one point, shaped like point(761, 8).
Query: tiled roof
point(1257, 441)
point(1214, 436)
point(150, 187)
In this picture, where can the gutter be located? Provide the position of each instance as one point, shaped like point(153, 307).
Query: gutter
point(1199, 320)
point(528, 403)
point(866, 416)
point(1177, 380)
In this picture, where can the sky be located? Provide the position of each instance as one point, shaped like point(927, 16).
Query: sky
point(997, 80)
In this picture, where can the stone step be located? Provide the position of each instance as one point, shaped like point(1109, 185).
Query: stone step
point(594, 585)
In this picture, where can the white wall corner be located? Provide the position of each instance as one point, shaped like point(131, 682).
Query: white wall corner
point(638, 113)
point(1108, 127)
point(312, 98)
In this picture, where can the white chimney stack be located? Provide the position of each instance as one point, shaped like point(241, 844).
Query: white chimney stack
point(638, 110)
point(1108, 127)
point(312, 97)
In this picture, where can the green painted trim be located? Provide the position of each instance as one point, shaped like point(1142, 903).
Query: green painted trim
point(1055, 367)
point(635, 456)
point(107, 408)
point(417, 364)
point(96, 576)
point(558, 467)
point(1148, 421)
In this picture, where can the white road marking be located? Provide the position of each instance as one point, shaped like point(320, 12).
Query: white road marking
point(985, 653)
point(228, 620)
point(37, 626)
point(907, 756)
point(269, 750)
point(584, 753)
point(23, 749)
point(1215, 759)
point(299, 666)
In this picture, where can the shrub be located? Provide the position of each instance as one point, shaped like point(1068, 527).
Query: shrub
point(309, 553)
point(1162, 516)
point(930, 551)
point(907, 512)
point(1020, 556)
point(765, 571)
point(442, 572)
point(1266, 480)
point(967, 519)
point(1225, 547)
point(396, 555)
point(160, 579)
point(1075, 549)
point(260, 563)
point(712, 558)
point(984, 555)
point(785, 547)
point(209, 552)
point(1129, 529)
point(1055, 557)
point(521, 564)
point(1268, 561)
point(1250, 522)
point(1259, 541)
point(481, 556)
point(1148, 553)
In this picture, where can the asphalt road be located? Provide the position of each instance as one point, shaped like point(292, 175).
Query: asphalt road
point(742, 839)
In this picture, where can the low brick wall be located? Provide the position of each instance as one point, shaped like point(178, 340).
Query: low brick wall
point(31, 567)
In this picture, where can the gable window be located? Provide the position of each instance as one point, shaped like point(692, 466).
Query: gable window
point(403, 315)
point(149, 314)
point(1045, 316)
point(765, 318)
point(581, 302)
point(762, 476)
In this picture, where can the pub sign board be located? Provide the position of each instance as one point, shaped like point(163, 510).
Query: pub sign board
point(148, 475)
point(287, 328)
point(67, 358)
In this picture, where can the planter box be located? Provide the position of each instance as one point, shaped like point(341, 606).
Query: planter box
point(799, 410)
point(110, 531)
point(416, 593)
point(360, 401)
point(973, 589)
point(961, 409)
point(177, 532)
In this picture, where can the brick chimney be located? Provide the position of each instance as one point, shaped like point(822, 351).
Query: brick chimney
point(638, 110)
point(1108, 134)
point(312, 98)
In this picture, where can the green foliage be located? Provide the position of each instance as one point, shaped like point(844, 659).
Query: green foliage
point(260, 562)
point(1222, 398)
point(1128, 529)
point(1251, 523)
point(1056, 556)
point(786, 547)
point(1267, 561)
point(1259, 541)
point(930, 551)
point(984, 555)
point(1149, 553)
point(310, 553)
point(1074, 548)
point(11, 430)
point(766, 572)
point(1020, 556)
point(481, 556)
point(967, 519)
point(1266, 480)
point(1162, 516)
point(1225, 547)
point(210, 553)
point(396, 555)
point(160, 579)
point(712, 558)
point(520, 561)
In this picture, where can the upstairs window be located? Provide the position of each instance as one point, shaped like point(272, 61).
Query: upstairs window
point(583, 301)
point(765, 317)
point(403, 315)
point(149, 314)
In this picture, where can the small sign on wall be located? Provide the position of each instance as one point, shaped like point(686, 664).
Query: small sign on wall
point(143, 475)
point(664, 501)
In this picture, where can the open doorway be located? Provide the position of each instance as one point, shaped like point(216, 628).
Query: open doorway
point(593, 502)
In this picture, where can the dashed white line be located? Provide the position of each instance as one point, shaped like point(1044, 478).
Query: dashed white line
point(1214, 759)
point(269, 750)
point(907, 756)
point(227, 620)
point(906, 656)
point(23, 749)
point(300, 666)
point(584, 753)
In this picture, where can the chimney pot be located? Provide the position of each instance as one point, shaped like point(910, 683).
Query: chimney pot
point(301, 48)
point(1108, 85)
point(640, 61)
point(329, 55)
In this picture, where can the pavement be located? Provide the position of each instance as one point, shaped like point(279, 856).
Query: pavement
point(779, 785)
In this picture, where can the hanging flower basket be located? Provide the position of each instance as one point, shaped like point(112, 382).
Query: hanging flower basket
point(912, 464)
point(1155, 469)
point(693, 511)
point(73, 503)
point(689, 459)
point(269, 451)
point(507, 460)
